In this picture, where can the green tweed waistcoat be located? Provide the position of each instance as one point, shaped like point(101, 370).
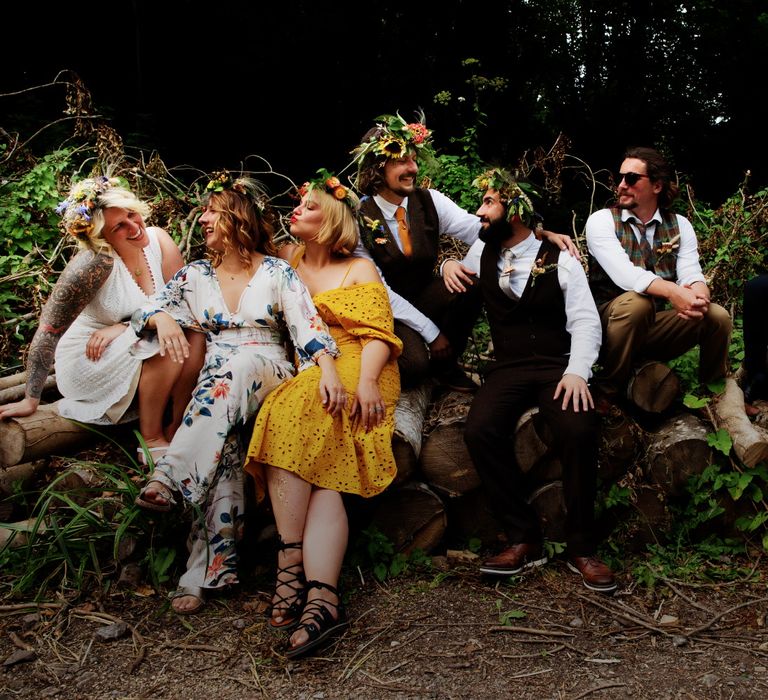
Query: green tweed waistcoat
point(663, 260)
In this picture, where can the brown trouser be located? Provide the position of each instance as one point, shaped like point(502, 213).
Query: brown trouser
point(634, 331)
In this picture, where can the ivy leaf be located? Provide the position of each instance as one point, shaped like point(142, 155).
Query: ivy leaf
point(721, 441)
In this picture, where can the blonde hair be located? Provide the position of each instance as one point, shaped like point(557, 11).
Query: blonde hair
point(339, 230)
point(113, 197)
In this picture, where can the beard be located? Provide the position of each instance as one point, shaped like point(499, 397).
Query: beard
point(495, 232)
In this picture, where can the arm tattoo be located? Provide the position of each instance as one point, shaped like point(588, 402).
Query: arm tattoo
point(77, 285)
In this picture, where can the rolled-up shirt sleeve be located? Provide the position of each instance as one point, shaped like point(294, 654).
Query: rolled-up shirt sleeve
point(688, 265)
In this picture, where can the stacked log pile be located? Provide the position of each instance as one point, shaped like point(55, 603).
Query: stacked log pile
point(437, 491)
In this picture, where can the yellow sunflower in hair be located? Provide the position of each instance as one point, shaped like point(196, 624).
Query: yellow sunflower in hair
point(392, 147)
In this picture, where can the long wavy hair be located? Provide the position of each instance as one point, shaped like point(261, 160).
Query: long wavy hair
point(245, 228)
point(339, 230)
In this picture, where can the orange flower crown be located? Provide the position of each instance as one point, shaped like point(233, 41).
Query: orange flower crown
point(329, 183)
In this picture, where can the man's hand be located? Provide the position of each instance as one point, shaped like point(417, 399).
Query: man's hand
point(457, 277)
point(688, 304)
point(440, 347)
point(563, 242)
point(574, 389)
point(702, 292)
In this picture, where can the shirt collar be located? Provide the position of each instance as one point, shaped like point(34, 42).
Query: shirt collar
point(521, 248)
point(627, 214)
point(387, 208)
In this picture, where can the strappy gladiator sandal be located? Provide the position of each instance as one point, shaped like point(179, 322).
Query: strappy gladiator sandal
point(291, 576)
point(321, 626)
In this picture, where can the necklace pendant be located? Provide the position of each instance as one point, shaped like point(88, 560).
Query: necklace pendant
point(137, 272)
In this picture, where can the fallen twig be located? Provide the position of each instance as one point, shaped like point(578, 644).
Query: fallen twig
point(709, 624)
point(18, 608)
point(604, 686)
point(624, 615)
point(530, 630)
point(537, 655)
point(682, 595)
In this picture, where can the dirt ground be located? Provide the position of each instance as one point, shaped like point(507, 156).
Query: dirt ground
point(437, 634)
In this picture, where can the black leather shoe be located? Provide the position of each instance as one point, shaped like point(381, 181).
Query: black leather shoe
point(514, 560)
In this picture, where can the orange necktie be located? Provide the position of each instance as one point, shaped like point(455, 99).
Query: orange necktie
point(403, 231)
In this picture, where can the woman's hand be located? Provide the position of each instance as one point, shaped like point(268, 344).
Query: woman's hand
point(26, 407)
point(368, 407)
point(100, 340)
point(333, 395)
point(171, 337)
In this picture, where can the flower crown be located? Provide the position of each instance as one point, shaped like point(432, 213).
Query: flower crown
point(329, 183)
point(511, 193)
point(77, 209)
point(222, 180)
point(393, 137)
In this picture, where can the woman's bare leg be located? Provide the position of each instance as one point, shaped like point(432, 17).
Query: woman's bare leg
point(325, 541)
point(182, 389)
point(158, 375)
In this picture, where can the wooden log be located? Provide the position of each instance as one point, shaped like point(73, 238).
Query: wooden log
point(16, 393)
point(749, 442)
point(531, 440)
point(620, 440)
point(549, 504)
point(43, 433)
point(19, 476)
point(653, 387)
point(648, 521)
point(677, 450)
point(445, 461)
point(20, 378)
point(410, 414)
point(412, 517)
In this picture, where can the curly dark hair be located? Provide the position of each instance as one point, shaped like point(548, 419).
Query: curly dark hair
point(658, 170)
point(370, 170)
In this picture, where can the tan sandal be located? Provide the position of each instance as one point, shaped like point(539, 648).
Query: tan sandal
point(193, 592)
point(160, 490)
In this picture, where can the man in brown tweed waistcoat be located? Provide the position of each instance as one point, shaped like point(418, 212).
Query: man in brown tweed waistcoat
point(644, 260)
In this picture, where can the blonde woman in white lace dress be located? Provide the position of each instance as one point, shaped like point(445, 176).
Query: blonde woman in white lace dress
point(100, 363)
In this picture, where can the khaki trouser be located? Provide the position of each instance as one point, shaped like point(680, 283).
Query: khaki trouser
point(634, 331)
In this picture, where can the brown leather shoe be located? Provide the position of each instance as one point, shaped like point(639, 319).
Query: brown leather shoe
point(594, 573)
point(514, 560)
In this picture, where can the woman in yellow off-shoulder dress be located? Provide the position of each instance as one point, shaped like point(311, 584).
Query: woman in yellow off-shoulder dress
point(304, 456)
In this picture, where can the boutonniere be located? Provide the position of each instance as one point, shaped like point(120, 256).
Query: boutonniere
point(540, 267)
point(667, 246)
point(373, 231)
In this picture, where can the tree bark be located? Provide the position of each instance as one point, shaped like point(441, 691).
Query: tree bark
point(549, 503)
point(410, 414)
point(13, 380)
point(677, 450)
point(750, 442)
point(43, 433)
point(445, 461)
point(17, 391)
point(653, 387)
point(620, 441)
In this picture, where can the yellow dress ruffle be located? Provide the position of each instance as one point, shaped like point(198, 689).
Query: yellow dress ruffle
point(293, 431)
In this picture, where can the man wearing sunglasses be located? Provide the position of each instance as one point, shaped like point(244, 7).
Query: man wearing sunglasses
point(646, 278)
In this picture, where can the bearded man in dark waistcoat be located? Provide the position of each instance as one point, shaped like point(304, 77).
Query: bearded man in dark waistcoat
point(546, 336)
point(401, 234)
point(644, 259)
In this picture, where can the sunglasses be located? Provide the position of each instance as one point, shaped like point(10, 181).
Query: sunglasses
point(630, 178)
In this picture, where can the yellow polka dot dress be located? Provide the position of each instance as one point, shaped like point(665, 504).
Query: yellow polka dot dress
point(294, 432)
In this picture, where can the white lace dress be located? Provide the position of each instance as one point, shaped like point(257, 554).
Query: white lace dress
point(91, 389)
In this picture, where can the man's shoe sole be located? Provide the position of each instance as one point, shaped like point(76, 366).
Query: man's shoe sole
point(498, 571)
point(608, 588)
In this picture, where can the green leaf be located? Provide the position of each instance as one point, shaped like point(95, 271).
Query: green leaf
point(721, 441)
point(691, 401)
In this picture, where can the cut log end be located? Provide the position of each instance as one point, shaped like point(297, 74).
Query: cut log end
point(653, 387)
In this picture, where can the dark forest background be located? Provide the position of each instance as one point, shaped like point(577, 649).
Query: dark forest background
point(299, 82)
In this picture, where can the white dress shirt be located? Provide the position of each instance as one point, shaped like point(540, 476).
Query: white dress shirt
point(582, 319)
point(452, 221)
point(605, 247)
